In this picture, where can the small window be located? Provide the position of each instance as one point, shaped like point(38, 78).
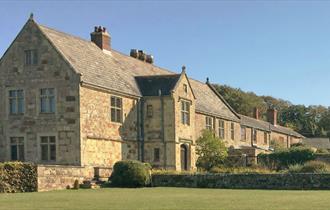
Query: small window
point(265, 138)
point(243, 134)
point(116, 109)
point(16, 102)
point(185, 112)
point(221, 129)
point(209, 123)
point(254, 135)
point(156, 155)
point(150, 111)
point(48, 148)
point(47, 100)
point(17, 148)
point(31, 57)
point(232, 131)
point(185, 88)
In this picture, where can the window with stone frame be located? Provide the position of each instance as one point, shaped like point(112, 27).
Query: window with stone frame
point(17, 151)
point(254, 135)
point(232, 131)
point(265, 138)
point(48, 148)
point(47, 100)
point(156, 154)
point(150, 111)
point(16, 102)
point(209, 123)
point(185, 112)
point(221, 129)
point(116, 109)
point(243, 133)
point(31, 57)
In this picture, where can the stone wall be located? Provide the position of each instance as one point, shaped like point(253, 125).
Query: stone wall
point(55, 177)
point(51, 71)
point(245, 181)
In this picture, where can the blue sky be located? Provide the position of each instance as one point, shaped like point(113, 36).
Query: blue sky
point(277, 48)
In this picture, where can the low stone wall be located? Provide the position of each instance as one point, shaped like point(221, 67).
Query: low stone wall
point(245, 181)
point(55, 177)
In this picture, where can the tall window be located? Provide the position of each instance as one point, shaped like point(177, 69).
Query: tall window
point(31, 57)
point(243, 134)
point(254, 135)
point(16, 102)
point(48, 148)
point(116, 109)
point(156, 155)
point(209, 123)
point(149, 111)
point(265, 137)
point(232, 131)
point(47, 100)
point(185, 112)
point(221, 129)
point(185, 88)
point(17, 148)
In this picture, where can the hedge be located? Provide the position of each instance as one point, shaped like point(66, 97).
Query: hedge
point(18, 177)
point(284, 158)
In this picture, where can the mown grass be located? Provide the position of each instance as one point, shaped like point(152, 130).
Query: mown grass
point(168, 198)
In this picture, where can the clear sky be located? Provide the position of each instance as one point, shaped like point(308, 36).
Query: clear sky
point(277, 48)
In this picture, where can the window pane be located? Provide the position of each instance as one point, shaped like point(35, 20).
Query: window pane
point(44, 140)
point(52, 152)
point(12, 105)
point(44, 152)
point(52, 104)
point(52, 139)
point(20, 108)
point(21, 152)
point(35, 56)
point(113, 115)
point(43, 105)
point(12, 93)
point(13, 151)
point(113, 101)
point(118, 116)
point(118, 102)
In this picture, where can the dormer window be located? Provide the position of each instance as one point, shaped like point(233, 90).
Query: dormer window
point(31, 57)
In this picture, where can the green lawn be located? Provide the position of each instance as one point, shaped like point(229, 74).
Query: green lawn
point(168, 198)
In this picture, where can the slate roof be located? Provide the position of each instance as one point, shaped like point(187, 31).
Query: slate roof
point(150, 85)
point(252, 122)
point(266, 126)
point(319, 143)
point(116, 71)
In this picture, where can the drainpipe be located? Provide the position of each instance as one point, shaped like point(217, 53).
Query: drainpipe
point(162, 123)
point(141, 136)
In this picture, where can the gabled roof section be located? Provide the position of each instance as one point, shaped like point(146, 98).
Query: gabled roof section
point(116, 71)
point(157, 84)
point(183, 74)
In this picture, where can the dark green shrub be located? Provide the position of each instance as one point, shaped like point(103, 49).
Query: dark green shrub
point(130, 173)
point(283, 158)
point(18, 177)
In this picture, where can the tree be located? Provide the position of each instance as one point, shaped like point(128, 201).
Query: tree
point(211, 151)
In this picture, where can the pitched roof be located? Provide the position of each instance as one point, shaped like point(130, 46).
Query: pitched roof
point(116, 71)
point(319, 143)
point(266, 126)
point(151, 85)
point(252, 122)
point(285, 130)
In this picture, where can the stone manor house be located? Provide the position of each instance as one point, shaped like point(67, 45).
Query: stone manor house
point(69, 101)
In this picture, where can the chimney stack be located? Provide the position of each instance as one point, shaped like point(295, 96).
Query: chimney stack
point(141, 55)
point(272, 116)
point(256, 113)
point(101, 38)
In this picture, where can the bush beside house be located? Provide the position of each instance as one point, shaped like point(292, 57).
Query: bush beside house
point(18, 177)
point(130, 173)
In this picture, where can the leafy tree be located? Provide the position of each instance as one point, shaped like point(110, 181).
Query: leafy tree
point(211, 151)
